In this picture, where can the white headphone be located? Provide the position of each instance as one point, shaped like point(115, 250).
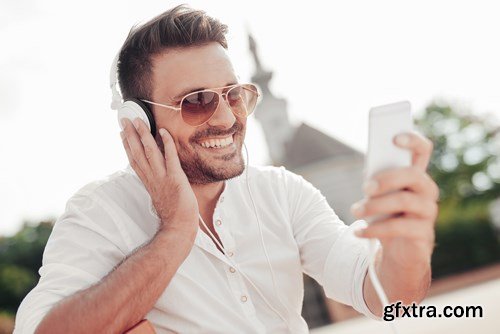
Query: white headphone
point(130, 108)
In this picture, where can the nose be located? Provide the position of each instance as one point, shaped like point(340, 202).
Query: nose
point(223, 116)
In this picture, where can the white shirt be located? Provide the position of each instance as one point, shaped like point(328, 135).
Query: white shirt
point(108, 219)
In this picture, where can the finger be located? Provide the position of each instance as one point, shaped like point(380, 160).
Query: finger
point(420, 146)
point(414, 229)
point(171, 157)
point(136, 148)
point(395, 203)
point(131, 160)
point(151, 150)
point(410, 178)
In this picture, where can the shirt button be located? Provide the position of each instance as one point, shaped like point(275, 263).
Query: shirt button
point(232, 270)
point(243, 299)
point(230, 254)
point(222, 199)
point(218, 222)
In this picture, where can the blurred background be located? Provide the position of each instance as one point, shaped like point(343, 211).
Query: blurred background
point(321, 66)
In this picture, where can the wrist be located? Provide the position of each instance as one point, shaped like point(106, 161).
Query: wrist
point(170, 248)
point(179, 236)
point(406, 281)
point(406, 255)
point(181, 226)
point(403, 266)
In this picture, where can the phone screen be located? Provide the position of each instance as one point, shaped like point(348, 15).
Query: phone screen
point(385, 123)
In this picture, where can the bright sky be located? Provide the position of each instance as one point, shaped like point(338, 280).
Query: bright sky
point(332, 61)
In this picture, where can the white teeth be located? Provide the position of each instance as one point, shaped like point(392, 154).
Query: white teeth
point(217, 142)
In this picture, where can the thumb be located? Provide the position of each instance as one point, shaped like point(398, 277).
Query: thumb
point(171, 157)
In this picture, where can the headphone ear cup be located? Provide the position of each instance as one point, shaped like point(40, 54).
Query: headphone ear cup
point(134, 108)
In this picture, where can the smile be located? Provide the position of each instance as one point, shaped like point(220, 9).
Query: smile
point(217, 142)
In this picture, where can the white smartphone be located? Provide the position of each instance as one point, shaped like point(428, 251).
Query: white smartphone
point(385, 123)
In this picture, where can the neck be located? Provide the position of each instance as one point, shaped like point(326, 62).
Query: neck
point(207, 194)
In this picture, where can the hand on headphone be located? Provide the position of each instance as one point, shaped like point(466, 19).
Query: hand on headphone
point(163, 177)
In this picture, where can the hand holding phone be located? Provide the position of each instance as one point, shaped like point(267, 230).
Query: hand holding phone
point(400, 206)
point(385, 123)
point(399, 192)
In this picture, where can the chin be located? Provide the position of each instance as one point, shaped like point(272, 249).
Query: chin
point(210, 168)
point(224, 167)
point(226, 172)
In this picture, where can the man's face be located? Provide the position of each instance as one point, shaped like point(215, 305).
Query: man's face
point(179, 71)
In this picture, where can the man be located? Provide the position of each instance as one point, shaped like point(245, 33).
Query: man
point(132, 247)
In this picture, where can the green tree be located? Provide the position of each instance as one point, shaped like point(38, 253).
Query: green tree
point(20, 259)
point(466, 166)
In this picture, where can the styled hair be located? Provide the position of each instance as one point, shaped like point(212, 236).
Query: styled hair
point(180, 26)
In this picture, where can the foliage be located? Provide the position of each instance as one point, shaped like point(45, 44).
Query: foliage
point(20, 259)
point(463, 245)
point(466, 166)
point(466, 158)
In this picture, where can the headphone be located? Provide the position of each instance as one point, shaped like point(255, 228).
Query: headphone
point(130, 108)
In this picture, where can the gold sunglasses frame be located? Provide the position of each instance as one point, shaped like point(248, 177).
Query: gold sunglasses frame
point(221, 95)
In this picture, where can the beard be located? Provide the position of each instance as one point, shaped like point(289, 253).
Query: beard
point(205, 168)
point(200, 171)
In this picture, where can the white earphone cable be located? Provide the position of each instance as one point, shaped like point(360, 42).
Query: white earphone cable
point(374, 278)
point(241, 272)
point(265, 252)
point(262, 236)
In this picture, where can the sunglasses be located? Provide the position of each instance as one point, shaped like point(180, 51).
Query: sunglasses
point(198, 107)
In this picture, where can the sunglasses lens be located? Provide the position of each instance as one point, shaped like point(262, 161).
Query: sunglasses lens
point(242, 99)
point(198, 107)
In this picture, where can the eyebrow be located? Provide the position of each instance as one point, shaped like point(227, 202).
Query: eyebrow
point(192, 90)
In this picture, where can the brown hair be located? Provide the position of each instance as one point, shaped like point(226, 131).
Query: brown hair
point(180, 26)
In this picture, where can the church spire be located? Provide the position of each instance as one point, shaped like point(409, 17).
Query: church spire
point(272, 111)
point(261, 76)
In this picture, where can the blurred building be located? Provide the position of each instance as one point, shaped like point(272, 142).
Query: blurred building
point(333, 167)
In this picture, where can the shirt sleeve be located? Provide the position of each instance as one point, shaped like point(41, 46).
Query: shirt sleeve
point(82, 249)
point(330, 252)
